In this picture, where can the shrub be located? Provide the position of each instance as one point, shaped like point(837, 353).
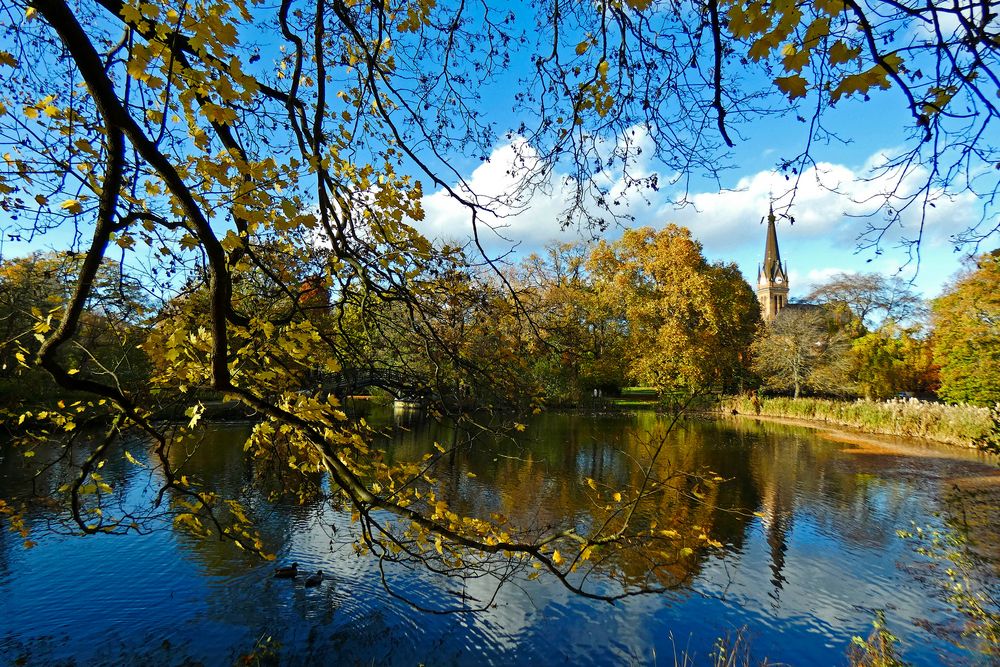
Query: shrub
point(964, 425)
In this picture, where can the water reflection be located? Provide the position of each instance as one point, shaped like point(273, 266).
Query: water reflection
point(808, 529)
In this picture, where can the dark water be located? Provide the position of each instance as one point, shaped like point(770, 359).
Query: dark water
point(808, 526)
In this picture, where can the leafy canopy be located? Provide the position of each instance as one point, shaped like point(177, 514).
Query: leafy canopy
point(258, 170)
point(966, 321)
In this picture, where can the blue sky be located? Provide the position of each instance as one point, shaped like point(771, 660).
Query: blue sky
point(825, 237)
point(822, 241)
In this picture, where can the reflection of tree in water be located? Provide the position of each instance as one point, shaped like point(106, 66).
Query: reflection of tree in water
point(771, 469)
point(7, 545)
point(39, 484)
point(218, 460)
point(858, 497)
point(540, 484)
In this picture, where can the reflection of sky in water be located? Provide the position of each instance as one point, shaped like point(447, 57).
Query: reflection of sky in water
point(804, 574)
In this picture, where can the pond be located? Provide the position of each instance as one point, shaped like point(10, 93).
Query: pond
point(808, 526)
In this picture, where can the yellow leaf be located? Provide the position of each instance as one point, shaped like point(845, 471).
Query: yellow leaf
point(219, 114)
point(133, 460)
point(72, 205)
point(817, 30)
point(794, 86)
point(617, 497)
point(860, 83)
point(831, 7)
point(761, 48)
point(130, 14)
point(795, 61)
point(557, 557)
point(582, 47)
point(894, 62)
point(7, 59)
point(840, 53)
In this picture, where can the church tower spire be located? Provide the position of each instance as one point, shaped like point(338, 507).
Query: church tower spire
point(772, 277)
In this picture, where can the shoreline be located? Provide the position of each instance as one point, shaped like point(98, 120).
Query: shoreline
point(869, 443)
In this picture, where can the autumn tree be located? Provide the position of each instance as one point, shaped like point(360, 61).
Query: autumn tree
point(863, 339)
point(893, 360)
point(689, 323)
point(33, 292)
point(805, 348)
point(579, 346)
point(873, 298)
point(966, 332)
point(199, 141)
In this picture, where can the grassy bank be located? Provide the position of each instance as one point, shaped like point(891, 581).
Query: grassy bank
point(959, 425)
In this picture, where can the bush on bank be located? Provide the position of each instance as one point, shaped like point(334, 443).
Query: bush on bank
point(963, 425)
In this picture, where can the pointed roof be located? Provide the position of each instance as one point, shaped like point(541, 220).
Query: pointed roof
point(772, 258)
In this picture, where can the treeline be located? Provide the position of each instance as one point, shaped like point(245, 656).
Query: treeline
point(646, 310)
point(870, 336)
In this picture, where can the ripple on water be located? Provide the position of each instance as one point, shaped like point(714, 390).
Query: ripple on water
point(803, 577)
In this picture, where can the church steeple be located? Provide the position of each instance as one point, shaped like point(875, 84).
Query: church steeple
point(772, 277)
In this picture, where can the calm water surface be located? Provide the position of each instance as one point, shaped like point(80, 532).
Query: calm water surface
point(808, 526)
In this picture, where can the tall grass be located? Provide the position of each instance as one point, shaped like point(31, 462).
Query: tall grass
point(962, 425)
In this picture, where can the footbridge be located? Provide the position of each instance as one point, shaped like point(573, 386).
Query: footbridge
point(348, 381)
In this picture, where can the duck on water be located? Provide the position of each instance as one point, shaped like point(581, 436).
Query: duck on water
point(287, 572)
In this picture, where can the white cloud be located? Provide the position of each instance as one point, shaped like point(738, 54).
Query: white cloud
point(815, 276)
point(525, 205)
point(499, 184)
point(828, 206)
